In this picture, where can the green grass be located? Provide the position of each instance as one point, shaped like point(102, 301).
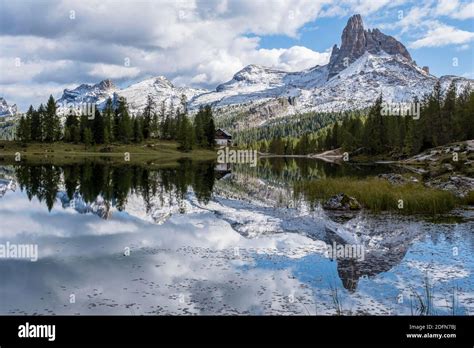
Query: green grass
point(60, 153)
point(378, 194)
point(469, 198)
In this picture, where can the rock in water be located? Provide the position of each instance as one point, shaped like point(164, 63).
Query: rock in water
point(342, 202)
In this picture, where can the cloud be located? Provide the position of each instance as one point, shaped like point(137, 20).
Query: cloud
point(443, 35)
point(33, 93)
point(104, 71)
point(465, 12)
point(200, 43)
point(455, 9)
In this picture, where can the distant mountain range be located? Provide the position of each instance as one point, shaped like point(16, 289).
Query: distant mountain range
point(367, 63)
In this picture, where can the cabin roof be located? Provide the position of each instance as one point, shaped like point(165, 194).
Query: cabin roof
point(224, 132)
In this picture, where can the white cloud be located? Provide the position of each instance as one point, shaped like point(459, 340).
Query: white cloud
point(443, 35)
point(200, 43)
point(465, 12)
point(32, 93)
point(293, 59)
point(455, 9)
point(104, 71)
point(446, 6)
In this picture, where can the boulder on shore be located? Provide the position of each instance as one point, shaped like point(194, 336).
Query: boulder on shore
point(342, 202)
point(397, 179)
point(459, 185)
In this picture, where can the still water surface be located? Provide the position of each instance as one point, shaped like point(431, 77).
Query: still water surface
point(196, 239)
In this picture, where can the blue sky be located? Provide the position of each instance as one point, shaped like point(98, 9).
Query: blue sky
point(322, 33)
point(49, 45)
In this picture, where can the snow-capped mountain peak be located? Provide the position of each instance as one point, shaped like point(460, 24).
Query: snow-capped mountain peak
point(356, 41)
point(159, 87)
point(7, 109)
point(367, 64)
point(86, 93)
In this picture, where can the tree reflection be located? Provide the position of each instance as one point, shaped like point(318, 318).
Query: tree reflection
point(113, 183)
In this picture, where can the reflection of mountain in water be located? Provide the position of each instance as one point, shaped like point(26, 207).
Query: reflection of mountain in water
point(6, 185)
point(254, 201)
point(385, 245)
point(99, 206)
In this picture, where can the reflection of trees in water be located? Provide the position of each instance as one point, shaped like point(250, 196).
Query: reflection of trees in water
point(40, 181)
point(115, 183)
point(292, 169)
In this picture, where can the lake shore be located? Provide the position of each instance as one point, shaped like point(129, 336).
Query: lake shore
point(60, 153)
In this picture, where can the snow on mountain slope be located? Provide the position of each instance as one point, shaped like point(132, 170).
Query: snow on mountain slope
point(359, 84)
point(257, 83)
point(367, 64)
point(85, 93)
point(7, 109)
point(160, 88)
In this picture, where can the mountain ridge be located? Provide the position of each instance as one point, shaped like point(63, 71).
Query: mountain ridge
point(367, 64)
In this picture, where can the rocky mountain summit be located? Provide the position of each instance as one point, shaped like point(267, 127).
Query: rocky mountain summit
point(367, 64)
point(356, 41)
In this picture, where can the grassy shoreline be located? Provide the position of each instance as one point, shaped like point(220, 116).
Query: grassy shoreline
point(150, 151)
point(377, 195)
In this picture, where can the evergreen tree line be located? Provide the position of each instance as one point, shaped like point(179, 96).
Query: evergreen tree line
point(292, 126)
point(115, 124)
point(443, 119)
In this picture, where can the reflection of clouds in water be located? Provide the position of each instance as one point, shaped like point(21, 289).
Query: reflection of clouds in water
point(189, 264)
point(80, 253)
point(437, 272)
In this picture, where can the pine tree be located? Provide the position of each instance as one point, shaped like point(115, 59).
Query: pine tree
point(162, 121)
point(29, 117)
point(447, 115)
point(199, 135)
point(413, 139)
point(185, 134)
point(435, 123)
point(36, 125)
point(335, 136)
point(209, 127)
point(125, 127)
point(88, 137)
point(98, 127)
point(83, 125)
point(23, 129)
point(466, 107)
point(276, 146)
point(167, 127)
point(302, 148)
point(70, 128)
point(148, 114)
point(51, 124)
point(109, 121)
point(138, 132)
point(374, 130)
